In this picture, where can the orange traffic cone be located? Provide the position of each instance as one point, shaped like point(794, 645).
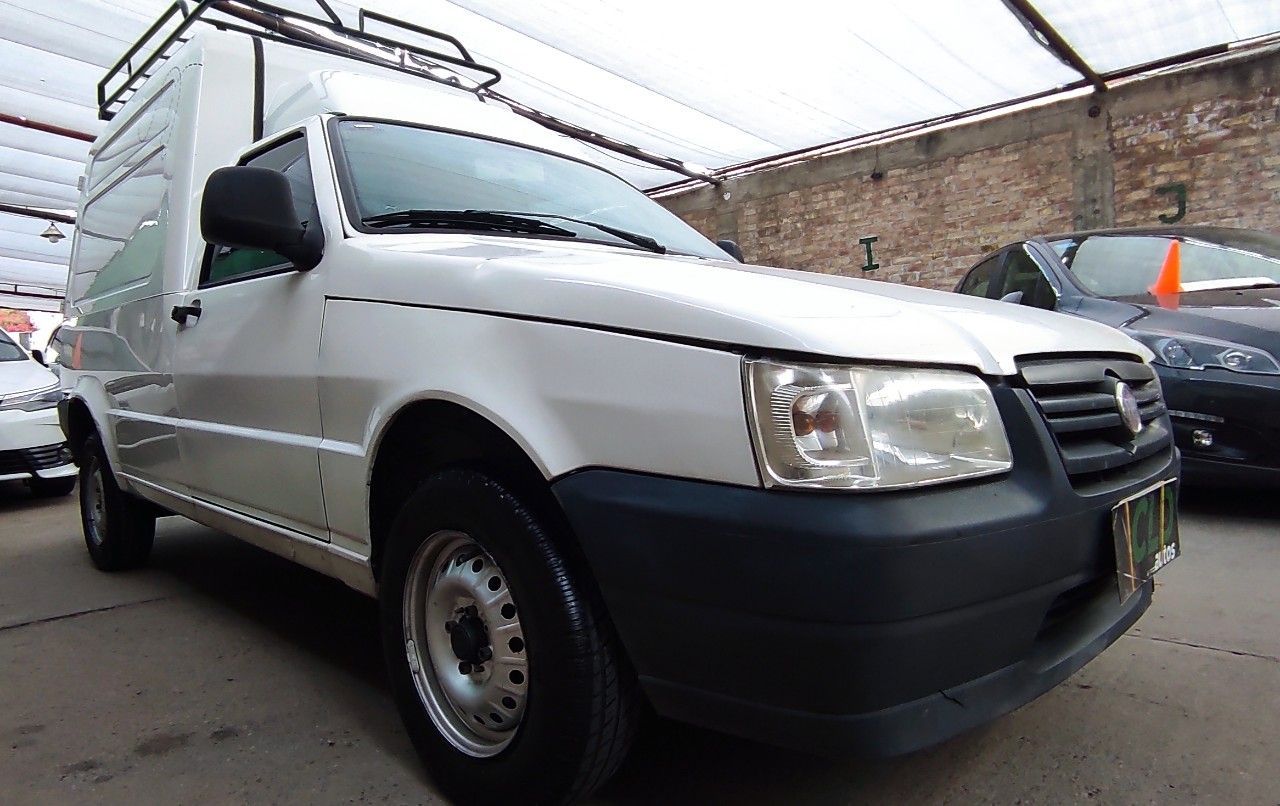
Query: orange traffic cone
point(1168, 283)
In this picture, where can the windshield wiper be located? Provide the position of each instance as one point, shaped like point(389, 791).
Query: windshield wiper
point(642, 241)
point(503, 221)
point(485, 220)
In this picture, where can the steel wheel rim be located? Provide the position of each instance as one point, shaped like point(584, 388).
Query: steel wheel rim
point(94, 503)
point(457, 605)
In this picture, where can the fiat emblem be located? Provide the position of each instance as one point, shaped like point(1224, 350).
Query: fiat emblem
point(1127, 405)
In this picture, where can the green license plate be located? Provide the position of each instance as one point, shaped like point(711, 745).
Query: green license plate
point(1145, 528)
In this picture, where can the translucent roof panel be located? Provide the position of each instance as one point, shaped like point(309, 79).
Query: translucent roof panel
point(707, 83)
point(1148, 30)
point(29, 264)
point(716, 88)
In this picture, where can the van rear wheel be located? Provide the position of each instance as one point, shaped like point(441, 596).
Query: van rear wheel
point(118, 528)
point(504, 666)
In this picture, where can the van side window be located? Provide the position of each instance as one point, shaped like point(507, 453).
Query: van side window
point(121, 234)
point(289, 158)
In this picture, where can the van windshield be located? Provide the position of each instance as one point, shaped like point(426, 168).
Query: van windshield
point(404, 178)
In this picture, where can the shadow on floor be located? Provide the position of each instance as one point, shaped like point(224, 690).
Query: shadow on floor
point(339, 627)
point(333, 623)
point(1230, 502)
point(15, 496)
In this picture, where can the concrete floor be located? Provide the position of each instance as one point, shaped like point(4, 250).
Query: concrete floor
point(222, 674)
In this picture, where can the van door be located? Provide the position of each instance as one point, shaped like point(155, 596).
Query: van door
point(245, 370)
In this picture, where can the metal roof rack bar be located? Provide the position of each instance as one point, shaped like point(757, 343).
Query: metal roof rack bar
point(276, 19)
point(366, 14)
point(329, 12)
point(604, 141)
point(289, 27)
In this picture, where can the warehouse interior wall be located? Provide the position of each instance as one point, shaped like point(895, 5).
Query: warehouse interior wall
point(1196, 146)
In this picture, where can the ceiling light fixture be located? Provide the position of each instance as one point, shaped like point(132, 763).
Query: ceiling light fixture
point(52, 234)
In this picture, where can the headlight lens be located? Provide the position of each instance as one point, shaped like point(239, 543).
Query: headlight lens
point(45, 398)
point(820, 425)
point(1198, 352)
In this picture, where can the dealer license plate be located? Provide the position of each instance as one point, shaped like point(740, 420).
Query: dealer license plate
point(1145, 528)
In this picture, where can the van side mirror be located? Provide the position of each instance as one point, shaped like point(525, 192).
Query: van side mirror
point(1013, 296)
point(38, 355)
point(252, 208)
point(732, 248)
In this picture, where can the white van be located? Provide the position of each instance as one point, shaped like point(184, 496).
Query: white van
point(355, 310)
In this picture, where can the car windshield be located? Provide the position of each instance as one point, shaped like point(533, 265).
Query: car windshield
point(10, 351)
point(403, 177)
point(1128, 265)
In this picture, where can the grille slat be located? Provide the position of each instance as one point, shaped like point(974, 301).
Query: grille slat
point(1086, 422)
point(1074, 403)
point(1147, 394)
point(1096, 454)
point(1077, 400)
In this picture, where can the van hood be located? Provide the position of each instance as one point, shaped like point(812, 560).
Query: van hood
point(718, 302)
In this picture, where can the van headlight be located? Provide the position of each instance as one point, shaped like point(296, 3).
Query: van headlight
point(824, 425)
point(37, 400)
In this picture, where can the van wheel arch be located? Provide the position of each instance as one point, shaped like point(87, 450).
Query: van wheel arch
point(80, 426)
point(432, 435)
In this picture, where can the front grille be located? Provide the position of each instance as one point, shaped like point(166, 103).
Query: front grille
point(1077, 399)
point(29, 460)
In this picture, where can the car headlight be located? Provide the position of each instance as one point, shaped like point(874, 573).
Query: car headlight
point(822, 425)
point(45, 398)
point(1198, 352)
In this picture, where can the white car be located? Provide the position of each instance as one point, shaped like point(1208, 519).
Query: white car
point(32, 446)
point(604, 462)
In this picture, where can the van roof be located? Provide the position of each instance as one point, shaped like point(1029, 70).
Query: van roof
point(376, 94)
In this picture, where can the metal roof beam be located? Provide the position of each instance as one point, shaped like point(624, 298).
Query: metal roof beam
point(1045, 34)
point(48, 128)
point(37, 212)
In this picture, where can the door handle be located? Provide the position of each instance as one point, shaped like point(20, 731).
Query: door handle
point(181, 313)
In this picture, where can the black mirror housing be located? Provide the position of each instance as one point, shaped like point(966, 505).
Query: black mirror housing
point(252, 208)
point(38, 355)
point(734, 251)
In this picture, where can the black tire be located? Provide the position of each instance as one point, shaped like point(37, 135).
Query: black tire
point(52, 488)
point(582, 705)
point(120, 537)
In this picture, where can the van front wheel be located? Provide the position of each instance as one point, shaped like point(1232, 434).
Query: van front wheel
point(505, 668)
point(118, 528)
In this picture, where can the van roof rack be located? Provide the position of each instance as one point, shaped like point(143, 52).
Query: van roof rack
point(328, 34)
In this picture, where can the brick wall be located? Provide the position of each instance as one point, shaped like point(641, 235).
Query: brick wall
point(1224, 148)
point(938, 201)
